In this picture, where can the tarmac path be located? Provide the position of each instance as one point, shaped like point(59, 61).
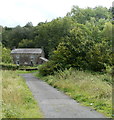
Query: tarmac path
point(55, 104)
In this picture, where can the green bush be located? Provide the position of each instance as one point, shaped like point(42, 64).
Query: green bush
point(6, 55)
point(48, 68)
point(109, 69)
point(99, 56)
point(5, 66)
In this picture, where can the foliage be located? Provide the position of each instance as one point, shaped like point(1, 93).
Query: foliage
point(12, 37)
point(82, 39)
point(81, 50)
point(107, 31)
point(18, 101)
point(83, 15)
point(90, 89)
point(49, 34)
point(25, 43)
point(98, 56)
point(6, 55)
point(62, 56)
point(8, 66)
point(47, 68)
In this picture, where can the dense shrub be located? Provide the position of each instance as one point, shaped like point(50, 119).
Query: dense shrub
point(79, 50)
point(6, 55)
point(99, 56)
point(48, 68)
point(5, 66)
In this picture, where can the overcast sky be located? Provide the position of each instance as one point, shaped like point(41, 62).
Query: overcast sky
point(19, 12)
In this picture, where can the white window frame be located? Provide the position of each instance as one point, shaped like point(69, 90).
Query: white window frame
point(17, 57)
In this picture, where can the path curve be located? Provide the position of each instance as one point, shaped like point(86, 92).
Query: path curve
point(55, 104)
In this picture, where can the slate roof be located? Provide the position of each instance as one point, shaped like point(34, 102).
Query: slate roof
point(27, 50)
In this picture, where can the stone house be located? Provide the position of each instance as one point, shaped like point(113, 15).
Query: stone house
point(28, 56)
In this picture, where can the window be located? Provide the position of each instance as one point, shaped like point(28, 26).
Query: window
point(32, 57)
point(17, 56)
point(17, 62)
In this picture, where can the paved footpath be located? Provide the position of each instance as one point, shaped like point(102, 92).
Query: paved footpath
point(55, 104)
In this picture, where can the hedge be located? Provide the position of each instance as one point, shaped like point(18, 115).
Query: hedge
point(5, 66)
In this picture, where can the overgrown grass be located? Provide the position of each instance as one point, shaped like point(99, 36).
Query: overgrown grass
point(92, 90)
point(18, 101)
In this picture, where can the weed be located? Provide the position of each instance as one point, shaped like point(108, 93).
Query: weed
point(18, 101)
point(90, 89)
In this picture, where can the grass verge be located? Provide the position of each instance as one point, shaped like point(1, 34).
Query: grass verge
point(18, 101)
point(89, 89)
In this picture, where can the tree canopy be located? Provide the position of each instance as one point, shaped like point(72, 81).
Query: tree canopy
point(82, 39)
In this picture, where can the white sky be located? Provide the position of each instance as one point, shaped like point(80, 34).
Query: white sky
point(20, 12)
